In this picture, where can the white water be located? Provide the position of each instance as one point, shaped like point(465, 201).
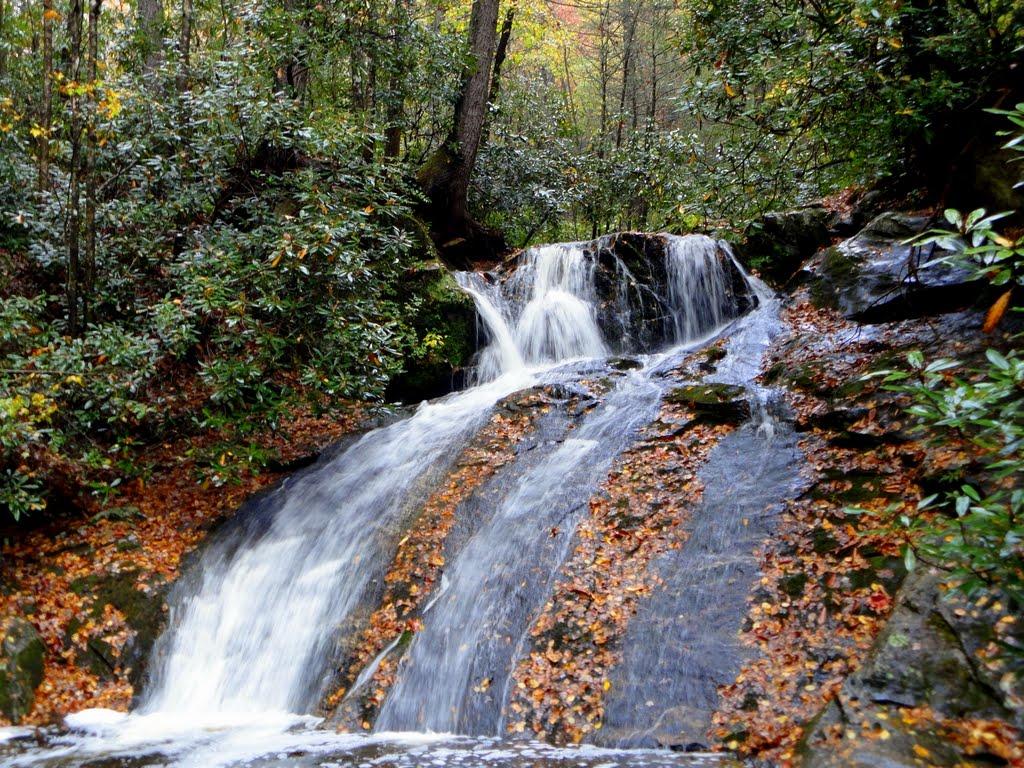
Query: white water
point(253, 628)
point(697, 285)
point(503, 574)
point(546, 311)
point(551, 317)
point(256, 634)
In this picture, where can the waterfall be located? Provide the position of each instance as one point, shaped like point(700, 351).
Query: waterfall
point(697, 286)
point(500, 579)
point(548, 309)
point(257, 620)
point(255, 634)
point(455, 676)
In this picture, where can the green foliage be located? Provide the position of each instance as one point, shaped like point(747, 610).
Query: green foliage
point(978, 248)
point(981, 533)
point(976, 530)
point(247, 244)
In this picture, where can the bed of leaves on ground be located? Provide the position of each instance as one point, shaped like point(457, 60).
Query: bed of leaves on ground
point(420, 558)
point(639, 513)
point(829, 577)
point(50, 575)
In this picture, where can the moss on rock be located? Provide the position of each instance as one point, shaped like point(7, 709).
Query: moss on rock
point(717, 403)
point(21, 667)
point(442, 325)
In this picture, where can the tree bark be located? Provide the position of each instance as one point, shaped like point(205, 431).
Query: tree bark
point(74, 219)
point(89, 172)
point(185, 46)
point(445, 176)
point(499, 58)
point(150, 19)
point(46, 116)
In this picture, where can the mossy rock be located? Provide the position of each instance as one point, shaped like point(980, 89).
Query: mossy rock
point(716, 403)
point(442, 319)
point(777, 243)
point(21, 667)
point(876, 277)
point(143, 612)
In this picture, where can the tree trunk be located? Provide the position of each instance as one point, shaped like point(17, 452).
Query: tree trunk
point(46, 116)
point(185, 45)
point(292, 75)
point(150, 19)
point(499, 58)
point(500, 53)
point(446, 175)
point(89, 172)
point(629, 36)
point(74, 219)
point(394, 99)
point(3, 49)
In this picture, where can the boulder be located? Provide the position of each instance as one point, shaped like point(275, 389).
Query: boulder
point(778, 243)
point(21, 667)
point(925, 657)
point(443, 319)
point(632, 283)
point(143, 611)
point(876, 277)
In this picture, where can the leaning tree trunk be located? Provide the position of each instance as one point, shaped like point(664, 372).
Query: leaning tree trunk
point(446, 174)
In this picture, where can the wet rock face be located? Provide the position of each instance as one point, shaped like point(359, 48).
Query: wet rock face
point(875, 277)
point(639, 316)
point(782, 241)
point(631, 283)
point(21, 667)
point(926, 657)
point(144, 613)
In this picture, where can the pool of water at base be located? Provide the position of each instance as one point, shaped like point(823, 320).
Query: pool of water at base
point(103, 739)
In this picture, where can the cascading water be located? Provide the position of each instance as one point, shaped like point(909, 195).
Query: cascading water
point(502, 576)
point(551, 316)
point(255, 633)
point(697, 286)
point(547, 311)
point(255, 623)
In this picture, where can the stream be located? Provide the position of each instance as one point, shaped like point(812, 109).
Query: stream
point(258, 622)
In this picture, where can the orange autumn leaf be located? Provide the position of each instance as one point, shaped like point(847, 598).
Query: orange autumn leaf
point(996, 312)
